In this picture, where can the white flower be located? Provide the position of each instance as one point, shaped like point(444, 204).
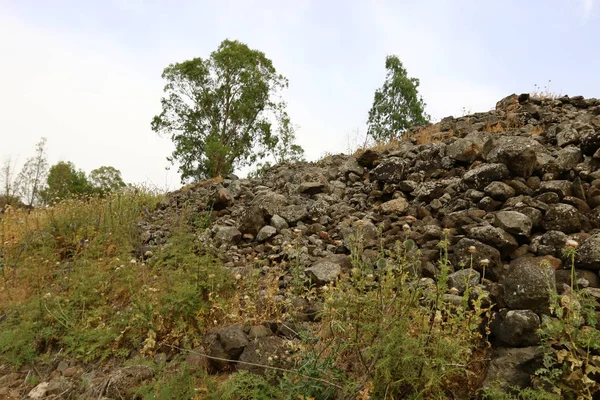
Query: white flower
point(406, 227)
point(485, 262)
point(238, 277)
point(472, 249)
point(572, 244)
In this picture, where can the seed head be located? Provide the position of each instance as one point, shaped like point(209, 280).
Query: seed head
point(485, 262)
point(472, 249)
point(572, 244)
point(406, 227)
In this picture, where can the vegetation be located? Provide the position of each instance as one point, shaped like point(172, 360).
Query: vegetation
point(32, 176)
point(218, 112)
point(397, 105)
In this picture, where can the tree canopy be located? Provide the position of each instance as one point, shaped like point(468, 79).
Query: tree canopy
point(219, 111)
point(106, 179)
point(64, 181)
point(397, 105)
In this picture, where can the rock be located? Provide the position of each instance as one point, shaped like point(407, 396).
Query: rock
point(196, 360)
point(513, 222)
point(234, 340)
point(368, 158)
point(40, 391)
point(562, 217)
point(227, 235)
point(265, 233)
point(499, 191)
point(323, 272)
point(528, 284)
point(551, 243)
point(510, 367)
point(569, 157)
point(590, 142)
point(518, 153)
point(361, 232)
point(279, 223)
point(352, 167)
point(264, 351)
point(390, 170)
point(312, 188)
point(58, 386)
point(221, 199)
point(518, 328)
point(583, 278)
point(259, 331)
point(568, 136)
point(396, 206)
point(463, 279)
point(562, 188)
point(463, 258)
point(588, 255)
point(252, 220)
point(469, 148)
point(481, 176)
point(125, 380)
point(495, 237)
point(294, 213)
point(268, 203)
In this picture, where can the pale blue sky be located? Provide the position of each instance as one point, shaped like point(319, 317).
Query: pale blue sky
point(86, 74)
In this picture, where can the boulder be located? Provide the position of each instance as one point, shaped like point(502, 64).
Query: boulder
point(528, 284)
point(588, 255)
point(462, 257)
point(511, 368)
point(390, 170)
point(517, 328)
point(562, 217)
point(481, 176)
point(513, 222)
point(463, 279)
point(265, 233)
point(495, 237)
point(323, 272)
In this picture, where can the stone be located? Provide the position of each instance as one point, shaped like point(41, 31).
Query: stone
point(583, 278)
point(513, 367)
point(518, 328)
point(294, 213)
point(588, 254)
point(395, 206)
point(264, 351)
point(569, 157)
point(234, 340)
point(590, 142)
point(268, 203)
point(221, 199)
point(279, 223)
point(481, 176)
point(368, 158)
point(196, 360)
point(528, 284)
point(323, 272)
point(561, 187)
point(40, 391)
point(513, 222)
point(265, 233)
point(518, 153)
point(252, 220)
point(312, 188)
point(551, 243)
point(462, 258)
point(463, 279)
point(469, 148)
point(390, 170)
point(562, 217)
point(495, 237)
point(227, 235)
point(499, 191)
point(259, 331)
point(58, 386)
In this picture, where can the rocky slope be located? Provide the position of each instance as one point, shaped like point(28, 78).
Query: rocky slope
point(511, 188)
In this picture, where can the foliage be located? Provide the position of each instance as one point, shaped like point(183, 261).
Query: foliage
point(217, 110)
point(571, 342)
point(170, 385)
point(494, 393)
point(32, 175)
point(65, 181)
point(244, 385)
point(106, 179)
point(9, 190)
point(397, 105)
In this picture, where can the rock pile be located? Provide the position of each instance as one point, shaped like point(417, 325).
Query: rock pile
point(512, 187)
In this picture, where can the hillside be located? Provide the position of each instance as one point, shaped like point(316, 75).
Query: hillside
point(462, 259)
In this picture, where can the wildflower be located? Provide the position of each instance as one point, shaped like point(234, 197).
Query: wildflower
point(325, 288)
point(472, 249)
point(133, 261)
point(446, 231)
point(406, 227)
point(238, 277)
point(47, 295)
point(485, 262)
point(211, 276)
point(370, 277)
point(572, 244)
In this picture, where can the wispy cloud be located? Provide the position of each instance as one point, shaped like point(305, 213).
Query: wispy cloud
point(588, 8)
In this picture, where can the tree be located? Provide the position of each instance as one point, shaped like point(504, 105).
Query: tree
point(9, 184)
point(218, 110)
point(65, 181)
point(397, 105)
point(32, 176)
point(106, 179)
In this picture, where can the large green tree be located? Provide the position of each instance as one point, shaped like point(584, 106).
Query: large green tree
point(65, 181)
point(397, 105)
point(106, 179)
point(220, 111)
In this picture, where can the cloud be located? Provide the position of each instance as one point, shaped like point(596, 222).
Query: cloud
point(588, 8)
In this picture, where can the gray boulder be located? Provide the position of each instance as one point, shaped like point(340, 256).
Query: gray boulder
point(390, 170)
point(464, 278)
point(323, 272)
point(481, 176)
point(265, 233)
point(588, 255)
point(495, 237)
point(227, 235)
point(528, 284)
point(513, 222)
point(279, 223)
point(562, 217)
point(517, 328)
point(513, 367)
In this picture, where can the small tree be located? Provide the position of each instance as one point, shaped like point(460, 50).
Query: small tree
point(32, 176)
point(65, 181)
point(397, 105)
point(218, 110)
point(106, 179)
point(9, 184)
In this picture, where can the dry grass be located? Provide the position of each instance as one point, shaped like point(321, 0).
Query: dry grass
point(544, 93)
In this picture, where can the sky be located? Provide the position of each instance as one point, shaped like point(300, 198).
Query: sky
point(87, 74)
